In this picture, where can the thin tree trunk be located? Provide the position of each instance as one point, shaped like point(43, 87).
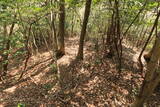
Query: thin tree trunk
point(140, 11)
point(7, 48)
point(34, 41)
point(152, 77)
point(28, 51)
point(54, 34)
point(83, 30)
point(139, 58)
point(72, 24)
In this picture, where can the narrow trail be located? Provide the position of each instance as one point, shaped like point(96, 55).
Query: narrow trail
point(71, 50)
point(92, 82)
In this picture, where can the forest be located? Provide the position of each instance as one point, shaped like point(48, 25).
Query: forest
point(79, 53)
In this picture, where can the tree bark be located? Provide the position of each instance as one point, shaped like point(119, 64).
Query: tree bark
point(61, 27)
point(7, 48)
point(152, 77)
point(72, 24)
point(83, 30)
point(145, 45)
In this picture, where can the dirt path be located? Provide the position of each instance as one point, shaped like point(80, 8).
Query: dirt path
point(92, 82)
point(71, 50)
point(38, 80)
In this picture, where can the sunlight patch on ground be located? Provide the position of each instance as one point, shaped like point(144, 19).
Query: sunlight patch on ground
point(38, 77)
point(127, 77)
point(14, 71)
point(2, 105)
point(79, 94)
point(84, 71)
point(75, 104)
point(71, 51)
point(65, 60)
point(95, 83)
point(90, 105)
point(10, 90)
point(54, 89)
point(92, 83)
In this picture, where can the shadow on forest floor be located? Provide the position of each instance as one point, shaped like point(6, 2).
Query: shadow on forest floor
point(91, 82)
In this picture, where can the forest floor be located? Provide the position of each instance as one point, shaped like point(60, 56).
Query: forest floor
point(93, 82)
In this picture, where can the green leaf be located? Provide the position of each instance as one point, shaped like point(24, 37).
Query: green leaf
point(20, 105)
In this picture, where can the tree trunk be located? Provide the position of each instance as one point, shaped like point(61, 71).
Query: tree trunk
point(7, 47)
point(3, 59)
point(72, 24)
point(152, 77)
point(53, 31)
point(83, 30)
point(61, 28)
point(118, 41)
point(147, 41)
